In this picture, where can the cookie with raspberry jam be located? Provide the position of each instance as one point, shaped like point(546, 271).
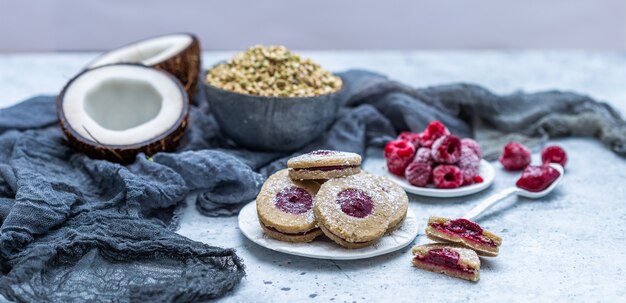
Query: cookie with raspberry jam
point(324, 164)
point(285, 208)
point(352, 211)
point(464, 232)
point(448, 259)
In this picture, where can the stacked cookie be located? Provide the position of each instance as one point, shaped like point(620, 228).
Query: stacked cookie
point(457, 255)
point(325, 192)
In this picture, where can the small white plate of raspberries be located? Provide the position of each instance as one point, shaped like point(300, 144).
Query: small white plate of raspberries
point(435, 163)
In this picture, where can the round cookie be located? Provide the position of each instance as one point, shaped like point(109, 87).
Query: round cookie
point(285, 208)
point(352, 211)
point(324, 164)
point(304, 237)
point(398, 200)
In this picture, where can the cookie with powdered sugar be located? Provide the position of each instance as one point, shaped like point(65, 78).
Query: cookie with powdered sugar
point(324, 164)
point(352, 211)
point(449, 259)
point(285, 208)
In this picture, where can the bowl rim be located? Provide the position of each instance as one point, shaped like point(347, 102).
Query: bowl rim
point(340, 90)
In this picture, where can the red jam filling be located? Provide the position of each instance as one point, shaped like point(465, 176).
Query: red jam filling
point(294, 200)
point(355, 202)
point(466, 229)
point(327, 168)
point(322, 152)
point(537, 178)
point(444, 257)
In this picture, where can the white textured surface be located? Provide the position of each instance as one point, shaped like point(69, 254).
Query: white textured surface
point(323, 248)
point(568, 246)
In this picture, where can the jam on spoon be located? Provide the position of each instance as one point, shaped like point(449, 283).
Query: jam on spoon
point(537, 178)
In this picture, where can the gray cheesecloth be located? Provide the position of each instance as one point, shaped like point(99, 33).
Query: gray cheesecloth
point(76, 229)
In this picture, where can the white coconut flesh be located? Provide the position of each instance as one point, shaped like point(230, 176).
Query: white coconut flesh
point(146, 52)
point(122, 104)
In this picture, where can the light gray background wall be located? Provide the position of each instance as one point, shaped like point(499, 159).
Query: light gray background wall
point(46, 25)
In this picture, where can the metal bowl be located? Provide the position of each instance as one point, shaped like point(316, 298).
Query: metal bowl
point(272, 123)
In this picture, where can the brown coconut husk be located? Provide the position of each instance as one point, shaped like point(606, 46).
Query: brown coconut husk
point(185, 65)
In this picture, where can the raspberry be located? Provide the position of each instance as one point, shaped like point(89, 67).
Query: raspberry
point(414, 138)
point(423, 155)
point(399, 154)
point(425, 140)
point(478, 179)
point(473, 145)
point(447, 149)
point(433, 131)
point(553, 154)
point(418, 173)
point(447, 176)
point(515, 156)
point(537, 178)
point(436, 129)
point(469, 163)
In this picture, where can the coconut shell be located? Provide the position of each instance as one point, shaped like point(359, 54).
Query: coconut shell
point(165, 142)
point(185, 66)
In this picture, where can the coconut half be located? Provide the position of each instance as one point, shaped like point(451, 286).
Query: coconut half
point(177, 54)
point(115, 111)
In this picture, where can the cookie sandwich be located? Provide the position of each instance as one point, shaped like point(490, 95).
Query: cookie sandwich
point(352, 211)
point(464, 232)
point(285, 208)
point(449, 259)
point(324, 164)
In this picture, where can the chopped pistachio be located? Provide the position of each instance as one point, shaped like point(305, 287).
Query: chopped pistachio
point(273, 71)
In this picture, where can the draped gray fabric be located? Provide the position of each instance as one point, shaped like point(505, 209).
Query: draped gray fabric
point(78, 229)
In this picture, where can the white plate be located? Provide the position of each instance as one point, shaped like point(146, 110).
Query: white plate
point(322, 247)
point(486, 171)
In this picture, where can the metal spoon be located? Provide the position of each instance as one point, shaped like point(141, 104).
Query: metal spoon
point(492, 200)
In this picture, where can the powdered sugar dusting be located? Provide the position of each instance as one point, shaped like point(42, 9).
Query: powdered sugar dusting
point(423, 155)
point(396, 196)
point(369, 185)
point(353, 229)
point(325, 158)
point(294, 200)
point(473, 145)
point(323, 152)
point(355, 202)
